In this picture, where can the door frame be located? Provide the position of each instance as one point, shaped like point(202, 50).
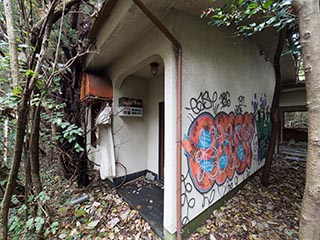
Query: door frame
point(161, 141)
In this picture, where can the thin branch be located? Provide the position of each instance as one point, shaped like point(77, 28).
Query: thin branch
point(67, 65)
point(1, 192)
point(90, 5)
point(38, 36)
point(81, 12)
point(59, 36)
point(44, 44)
point(43, 210)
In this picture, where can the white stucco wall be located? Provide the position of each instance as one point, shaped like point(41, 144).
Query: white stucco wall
point(130, 133)
point(137, 138)
point(155, 96)
point(150, 47)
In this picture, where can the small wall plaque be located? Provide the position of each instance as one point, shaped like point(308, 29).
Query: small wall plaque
point(130, 107)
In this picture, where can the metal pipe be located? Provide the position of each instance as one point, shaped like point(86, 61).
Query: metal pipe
point(179, 147)
point(178, 47)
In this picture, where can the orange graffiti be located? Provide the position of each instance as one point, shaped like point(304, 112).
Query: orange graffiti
point(218, 147)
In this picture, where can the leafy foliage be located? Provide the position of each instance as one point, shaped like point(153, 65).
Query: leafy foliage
point(65, 42)
point(249, 17)
point(296, 119)
point(35, 220)
point(54, 90)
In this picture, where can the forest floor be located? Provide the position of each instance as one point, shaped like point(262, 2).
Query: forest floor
point(255, 212)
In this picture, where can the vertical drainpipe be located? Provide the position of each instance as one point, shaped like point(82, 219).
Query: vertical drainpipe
point(178, 47)
point(178, 137)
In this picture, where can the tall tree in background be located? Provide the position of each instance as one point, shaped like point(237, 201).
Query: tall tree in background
point(13, 53)
point(309, 22)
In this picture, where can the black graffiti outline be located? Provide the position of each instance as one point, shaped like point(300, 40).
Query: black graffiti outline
point(185, 201)
point(209, 199)
point(227, 187)
point(246, 174)
point(236, 180)
point(203, 102)
point(225, 100)
point(241, 104)
point(190, 117)
point(255, 148)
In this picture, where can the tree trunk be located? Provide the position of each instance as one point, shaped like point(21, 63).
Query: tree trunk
point(274, 108)
point(20, 134)
point(27, 172)
point(1, 192)
point(309, 22)
point(13, 54)
point(34, 150)
point(70, 87)
point(5, 140)
point(34, 159)
point(21, 122)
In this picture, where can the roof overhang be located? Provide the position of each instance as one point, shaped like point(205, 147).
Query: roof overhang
point(121, 23)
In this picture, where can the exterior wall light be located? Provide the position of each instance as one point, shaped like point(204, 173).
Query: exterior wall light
point(154, 68)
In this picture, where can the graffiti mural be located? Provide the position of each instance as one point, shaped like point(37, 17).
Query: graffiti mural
point(217, 147)
point(222, 148)
point(262, 117)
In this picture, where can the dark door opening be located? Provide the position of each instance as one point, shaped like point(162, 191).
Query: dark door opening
point(161, 141)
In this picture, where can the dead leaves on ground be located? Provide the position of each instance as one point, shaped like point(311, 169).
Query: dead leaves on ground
point(104, 216)
point(256, 212)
